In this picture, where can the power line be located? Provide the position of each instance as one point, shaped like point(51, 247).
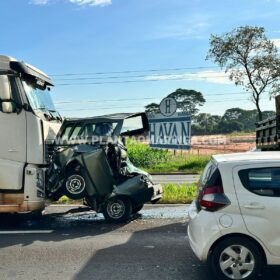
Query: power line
point(134, 106)
point(133, 76)
point(135, 99)
point(141, 81)
point(106, 100)
point(134, 71)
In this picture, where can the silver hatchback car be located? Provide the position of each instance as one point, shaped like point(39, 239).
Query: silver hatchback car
point(234, 221)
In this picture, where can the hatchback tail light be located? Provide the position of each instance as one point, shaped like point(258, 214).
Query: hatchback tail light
point(213, 198)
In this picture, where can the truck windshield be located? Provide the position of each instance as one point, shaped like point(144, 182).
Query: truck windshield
point(38, 99)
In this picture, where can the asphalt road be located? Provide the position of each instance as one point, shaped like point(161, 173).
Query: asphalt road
point(178, 179)
point(83, 246)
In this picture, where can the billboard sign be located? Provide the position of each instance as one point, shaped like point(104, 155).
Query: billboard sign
point(168, 107)
point(170, 132)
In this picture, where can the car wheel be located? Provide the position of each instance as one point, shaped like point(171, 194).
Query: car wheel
point(117, 209)
point(137, 208)
point(75, 186)
point(236, 258)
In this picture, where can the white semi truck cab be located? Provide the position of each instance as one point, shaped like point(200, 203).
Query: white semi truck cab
point(28, 122)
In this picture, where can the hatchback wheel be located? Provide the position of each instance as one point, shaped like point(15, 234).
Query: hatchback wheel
point(236, 258)
point(137, 208)
point(75, 186)
point(117, 209)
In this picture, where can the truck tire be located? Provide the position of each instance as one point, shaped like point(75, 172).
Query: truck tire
point(74, 186)
point(117, 209)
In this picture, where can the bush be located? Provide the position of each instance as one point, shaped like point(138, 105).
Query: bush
point(156, 160)
point(141, 155)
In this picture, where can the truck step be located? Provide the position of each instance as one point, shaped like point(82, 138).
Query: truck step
point(6, 208)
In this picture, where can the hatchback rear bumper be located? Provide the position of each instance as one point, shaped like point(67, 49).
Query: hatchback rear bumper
point(203, 230)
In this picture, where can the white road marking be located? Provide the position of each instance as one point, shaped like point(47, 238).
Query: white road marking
point(24, 231)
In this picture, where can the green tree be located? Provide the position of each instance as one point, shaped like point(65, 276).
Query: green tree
point(206, 122)
point(188, 100)
point(234, 126)
point(251, 60)
point(152, 108)
point(247, 117)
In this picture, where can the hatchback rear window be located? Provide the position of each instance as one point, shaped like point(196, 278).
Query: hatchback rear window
point(208, 171)
point(211, 176)
point(261, 181)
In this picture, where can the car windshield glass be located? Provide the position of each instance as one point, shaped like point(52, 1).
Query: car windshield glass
point(89, 130)
point(132, 124)
point(38, 99)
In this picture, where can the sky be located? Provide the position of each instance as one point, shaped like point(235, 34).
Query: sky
point(108, 56)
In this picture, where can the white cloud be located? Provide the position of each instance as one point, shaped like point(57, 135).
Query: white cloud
point(276, 42)
point(91, 2)
point(39, 2)
point(195, 26)
point(216, 77)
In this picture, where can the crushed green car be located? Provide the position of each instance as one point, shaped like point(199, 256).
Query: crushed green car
point(90, 162)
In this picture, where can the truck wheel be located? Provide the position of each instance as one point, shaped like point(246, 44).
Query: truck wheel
point(137, 208)
point(236, 258)
point(117, 209)
point(75, 186)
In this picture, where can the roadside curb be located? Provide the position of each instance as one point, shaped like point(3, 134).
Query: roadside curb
point(146, 205)
point(174, 173)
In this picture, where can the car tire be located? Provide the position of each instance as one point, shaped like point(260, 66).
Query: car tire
point(74, 185)
point(117, 209)
point(235, 258)
point(137, 208)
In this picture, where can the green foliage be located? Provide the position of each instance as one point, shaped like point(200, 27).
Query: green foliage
point(152, 108)
point(188, 100)
point(141, 155)
point(189, 164)
point(66, 200)
point(174, 193)
point(233, 120)
point(156, 160)
point(229, 127)
point(251, 60)
point(205, 123)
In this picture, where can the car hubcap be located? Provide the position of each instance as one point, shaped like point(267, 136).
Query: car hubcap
point(237, 262)
point(75, 184)
point(116, 209)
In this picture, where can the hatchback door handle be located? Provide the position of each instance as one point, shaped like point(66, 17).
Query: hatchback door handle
point(254, 206)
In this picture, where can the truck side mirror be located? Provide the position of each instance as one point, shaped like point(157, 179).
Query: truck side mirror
point(6, 104)
point(8, 107)
point(5, 88)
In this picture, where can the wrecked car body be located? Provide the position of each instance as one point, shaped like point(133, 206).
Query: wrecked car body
point(90, 162)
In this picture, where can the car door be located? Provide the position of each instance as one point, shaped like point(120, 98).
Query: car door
point(258, 193)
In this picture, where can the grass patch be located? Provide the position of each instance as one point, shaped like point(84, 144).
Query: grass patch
point(66, 200)
point(178, 193)
point(141, 155)
point(156, 160)
point(189, 164)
